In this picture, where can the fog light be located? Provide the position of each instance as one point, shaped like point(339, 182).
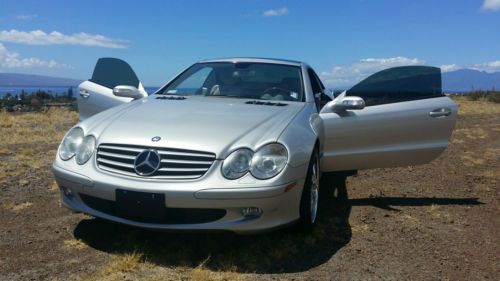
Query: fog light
point(67, 192)
point(251, 212)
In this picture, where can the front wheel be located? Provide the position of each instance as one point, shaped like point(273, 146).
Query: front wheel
point(310, 194)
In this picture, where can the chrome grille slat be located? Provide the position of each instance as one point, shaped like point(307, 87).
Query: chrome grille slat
point(187, 162)
point(176, 164)
point(183, 169)
point(115, 163)
point(116, 155)
point(132, 149)
point(184, 154)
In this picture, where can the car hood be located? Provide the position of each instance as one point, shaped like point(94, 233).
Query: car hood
point(211, 124)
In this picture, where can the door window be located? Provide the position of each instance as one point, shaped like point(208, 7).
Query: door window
point(318, 90)
point(315, 84)
point(399, 84)
point(111, 72)
point(316, 87)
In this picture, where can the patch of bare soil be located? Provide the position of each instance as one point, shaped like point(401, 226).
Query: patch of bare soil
point(436, 221)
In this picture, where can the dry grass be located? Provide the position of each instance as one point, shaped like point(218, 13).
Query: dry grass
point(11, 206)
point(471, 133)
point(24, 138)
point(482, 188)
point(124, 263)
point(7, 173)
point(54, 187)
point(409, 219)
point(476, 107)
point(471, 159)
point(74, 244)
point(494, 174)
point(120, 267)
point(25, 152)
point(202, 274)
point(35, 127)
point(357, 228)
point(133, 266)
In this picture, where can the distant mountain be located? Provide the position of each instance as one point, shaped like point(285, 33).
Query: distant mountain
point(28, 80)
point(462, 80)
point(465, 80)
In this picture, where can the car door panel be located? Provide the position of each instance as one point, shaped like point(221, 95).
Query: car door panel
point(96, 94)
point(93, 98)
point(389, 134)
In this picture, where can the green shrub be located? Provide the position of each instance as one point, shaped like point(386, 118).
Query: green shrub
point(493, 97)
point(476, 95)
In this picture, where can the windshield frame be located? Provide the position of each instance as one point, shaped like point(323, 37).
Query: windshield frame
point(161, 90)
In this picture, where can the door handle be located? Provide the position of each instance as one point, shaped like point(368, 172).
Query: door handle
point(440, 112)
point(84, 94)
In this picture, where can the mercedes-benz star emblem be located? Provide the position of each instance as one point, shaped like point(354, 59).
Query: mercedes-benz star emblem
point(155, 139)
point(147, 162)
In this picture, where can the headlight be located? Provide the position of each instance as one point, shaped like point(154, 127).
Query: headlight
point(237, 163)
point(71, 143)
point(269, 160)
point(85, 150)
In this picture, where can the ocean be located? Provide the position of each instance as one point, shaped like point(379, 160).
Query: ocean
point(57, 91)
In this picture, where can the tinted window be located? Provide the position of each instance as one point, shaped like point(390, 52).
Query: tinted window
point(315, 84)
point(111, 72)
point(242, 80)
point(399, 84)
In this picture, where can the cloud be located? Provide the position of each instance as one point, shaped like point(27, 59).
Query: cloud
point(491, 66)
point(347, 75)
point(491, 5)
point(26, 17)
point(9, 59)
point(342, 76)
point(275, 12)
point(449, 67)
point(39, 37)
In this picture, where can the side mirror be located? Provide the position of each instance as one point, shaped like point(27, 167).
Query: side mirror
point(346, 103)
point(127, 92)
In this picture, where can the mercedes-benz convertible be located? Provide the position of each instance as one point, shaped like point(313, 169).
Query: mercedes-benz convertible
point(239, 144)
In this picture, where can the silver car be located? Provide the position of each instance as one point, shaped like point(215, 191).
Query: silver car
point(239, 144)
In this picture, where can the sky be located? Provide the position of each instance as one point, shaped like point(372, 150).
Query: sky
point(344, 41)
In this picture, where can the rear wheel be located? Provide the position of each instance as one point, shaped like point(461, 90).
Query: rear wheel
point(310, 194)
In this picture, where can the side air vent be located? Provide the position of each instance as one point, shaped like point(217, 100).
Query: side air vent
point(170, 98)
point(266, 103)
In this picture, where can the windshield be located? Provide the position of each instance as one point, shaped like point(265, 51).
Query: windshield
point(242, 80)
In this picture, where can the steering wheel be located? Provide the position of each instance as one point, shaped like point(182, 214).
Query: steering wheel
point(276, 91)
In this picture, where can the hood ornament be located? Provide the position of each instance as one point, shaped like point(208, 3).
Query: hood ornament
point(156, 139)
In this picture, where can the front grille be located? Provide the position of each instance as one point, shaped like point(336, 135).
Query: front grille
point(175, 163)
point(171, 215)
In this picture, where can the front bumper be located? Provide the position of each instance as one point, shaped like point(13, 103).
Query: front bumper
point(279, 203)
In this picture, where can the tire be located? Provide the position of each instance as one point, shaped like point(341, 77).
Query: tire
point(310, 194)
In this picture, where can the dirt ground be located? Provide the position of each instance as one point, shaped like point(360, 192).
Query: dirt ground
point(439, 221)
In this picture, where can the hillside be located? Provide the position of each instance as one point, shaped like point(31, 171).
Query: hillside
point(464, 80)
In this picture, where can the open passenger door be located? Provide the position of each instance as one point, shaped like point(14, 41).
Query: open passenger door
point(101, 92)
point(395, 117)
